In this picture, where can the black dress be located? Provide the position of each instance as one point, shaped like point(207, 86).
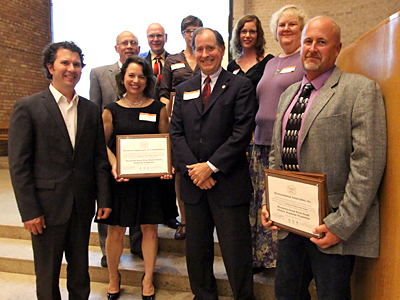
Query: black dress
point(137, 201)
point(254, 73)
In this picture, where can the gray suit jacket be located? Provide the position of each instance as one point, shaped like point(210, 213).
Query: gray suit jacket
point(344, 136)
point(103, 87)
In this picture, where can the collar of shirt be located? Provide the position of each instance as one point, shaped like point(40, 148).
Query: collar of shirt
point(153, 56)
point(120, 64)
point(69, 112)
point(318, 82)
point(213, 78)
point(58, 96)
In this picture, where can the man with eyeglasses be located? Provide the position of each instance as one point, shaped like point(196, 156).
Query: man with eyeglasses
point(103, 90)
point(156, 37)
point(103, 87)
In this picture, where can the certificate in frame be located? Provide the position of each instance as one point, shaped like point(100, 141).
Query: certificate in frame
point(143, 155)
point(296, 201)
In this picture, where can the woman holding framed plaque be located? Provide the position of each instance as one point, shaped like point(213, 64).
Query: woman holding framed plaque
point(138, 200)
point(279, 73)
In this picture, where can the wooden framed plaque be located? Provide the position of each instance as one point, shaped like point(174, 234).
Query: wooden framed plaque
point(143, 155)
point(296, 201)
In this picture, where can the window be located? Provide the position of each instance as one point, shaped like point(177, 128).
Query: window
point(94, 26)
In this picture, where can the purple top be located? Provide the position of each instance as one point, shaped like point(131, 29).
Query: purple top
point(272, 84)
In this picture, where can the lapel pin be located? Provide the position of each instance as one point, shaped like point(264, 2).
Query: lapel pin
point(224, 86)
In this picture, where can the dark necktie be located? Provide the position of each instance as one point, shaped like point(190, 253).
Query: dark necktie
point(158, 69)
point(289, 151)
point(206, 92)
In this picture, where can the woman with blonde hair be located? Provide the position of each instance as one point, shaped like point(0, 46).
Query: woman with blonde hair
point(279, 73)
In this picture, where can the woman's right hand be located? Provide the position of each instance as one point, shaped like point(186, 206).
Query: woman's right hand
point(115, 174)
point(264, 219)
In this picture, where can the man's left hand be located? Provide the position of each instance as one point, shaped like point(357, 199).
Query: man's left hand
point(328, 240)
point(103, 213)
point(199, 173)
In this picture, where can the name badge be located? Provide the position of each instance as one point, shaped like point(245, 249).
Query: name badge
point(288, 69)
point(191, 95)
point(236, 71)
point(177, 66)
point(147, 117)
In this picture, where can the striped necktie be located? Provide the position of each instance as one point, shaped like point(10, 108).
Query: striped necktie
point(289, 150)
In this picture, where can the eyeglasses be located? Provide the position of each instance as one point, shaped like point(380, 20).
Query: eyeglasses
point(153, 36)
point(126, 43)
point(188, 32)
point(245, 32)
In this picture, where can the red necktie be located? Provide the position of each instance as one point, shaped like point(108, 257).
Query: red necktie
point(157, 68)
point(206, 92)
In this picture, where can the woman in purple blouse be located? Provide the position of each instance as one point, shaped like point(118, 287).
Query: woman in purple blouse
point(279, 73)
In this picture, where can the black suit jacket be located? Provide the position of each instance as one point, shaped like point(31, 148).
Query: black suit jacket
point(219, 134)
point(147, 57)
point(47, 174)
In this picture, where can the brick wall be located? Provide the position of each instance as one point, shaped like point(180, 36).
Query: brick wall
point(25, 29)
point(355, 17)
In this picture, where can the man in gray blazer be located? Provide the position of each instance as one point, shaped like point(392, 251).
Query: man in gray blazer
point(59, 167)
point(103, 87)
point(343, 135)
point(103, 90)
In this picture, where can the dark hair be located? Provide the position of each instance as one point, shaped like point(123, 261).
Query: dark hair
point(191, 21)
point(147, 72)
point(218, 37)
point(50, 52)
point(236, 46)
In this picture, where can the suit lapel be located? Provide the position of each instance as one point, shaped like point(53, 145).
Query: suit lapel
point(50, 103)
point(196, 86)
point(81, 118)
point(220, 86)
point(319, 103)
point(114, 69)
point(279, 120)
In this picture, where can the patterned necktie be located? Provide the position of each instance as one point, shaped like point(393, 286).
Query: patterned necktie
point(206, 92)
point(158, 68)
point(289, 151)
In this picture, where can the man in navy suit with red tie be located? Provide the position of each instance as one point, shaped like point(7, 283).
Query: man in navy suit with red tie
point(210, 129)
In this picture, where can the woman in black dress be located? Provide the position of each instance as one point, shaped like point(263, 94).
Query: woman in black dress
point(135, 201)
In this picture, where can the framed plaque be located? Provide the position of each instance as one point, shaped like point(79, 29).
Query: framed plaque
point(296, 201)
point(143, 155)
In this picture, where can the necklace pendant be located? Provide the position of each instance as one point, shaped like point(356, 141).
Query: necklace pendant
point(276, 72)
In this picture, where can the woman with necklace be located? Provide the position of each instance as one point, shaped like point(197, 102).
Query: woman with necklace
point(247, 48)
point(135, 201)
point(179, 68)
point(279, 73)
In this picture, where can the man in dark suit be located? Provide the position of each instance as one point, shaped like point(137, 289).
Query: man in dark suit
point(156, 37)
point(103, 91)
point(210, 129)
point(59, 167)
point(343, 135)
